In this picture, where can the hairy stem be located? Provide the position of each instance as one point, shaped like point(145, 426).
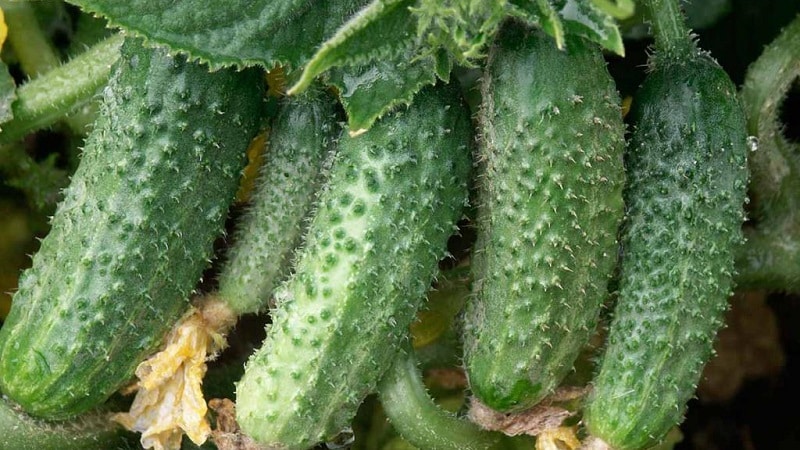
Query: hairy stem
point(25, 35)
point(45, 99)
point(669, 28)
point(775, 165)
point(771, 259)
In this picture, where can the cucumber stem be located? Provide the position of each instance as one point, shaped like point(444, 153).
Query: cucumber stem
point(45, 99)
point(770, 260)
point(422, 422)
point(669, 28)
point(26, 37)
point(775, 188)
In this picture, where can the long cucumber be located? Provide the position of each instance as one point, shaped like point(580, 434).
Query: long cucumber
point(550, 203)
point(391, 202)
point(686, 166)
point(133, 234)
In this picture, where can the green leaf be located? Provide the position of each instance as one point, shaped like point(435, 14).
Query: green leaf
point(234, 32)
point(371, 90)
point(383, 29)
point(462, 27)
point(585, 19)
point(540, 13)
point(619, 9)
point(443, 64)
point(8, 93)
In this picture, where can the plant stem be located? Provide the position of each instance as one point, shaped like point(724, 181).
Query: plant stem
point(45, 99)
point(25, 35)
point(422, 422)
point(775, 187)
point(770, 260)
point(669, 28)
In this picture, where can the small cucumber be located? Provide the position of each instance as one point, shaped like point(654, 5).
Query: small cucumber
point(686, 167)
point(133, 234)
point(301, 144)
point(550, 203)
point(392, 200)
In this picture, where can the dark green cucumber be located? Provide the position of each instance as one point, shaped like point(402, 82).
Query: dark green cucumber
point(372, 248)
point(550, 203)
point(684, 210)
point(91, 431)
point(133, 234)
point(301, 143)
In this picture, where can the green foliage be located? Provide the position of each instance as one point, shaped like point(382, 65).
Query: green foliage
point(238, 32)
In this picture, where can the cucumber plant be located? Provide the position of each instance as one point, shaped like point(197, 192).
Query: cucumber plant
point(687, 176)
point(122, 254)
point(550, 203)
point(133, 233)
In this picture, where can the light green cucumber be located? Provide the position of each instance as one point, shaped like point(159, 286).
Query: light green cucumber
point(301, 143)
point(686, 167)
point(391, 202)
point(133, 234)
point(550, 203)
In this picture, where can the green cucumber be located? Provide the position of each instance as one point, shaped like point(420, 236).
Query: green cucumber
point(550, 203)
point(686, 167)
point(301, 144)
point(392, 200)
point(133, 234)
point(91, 431)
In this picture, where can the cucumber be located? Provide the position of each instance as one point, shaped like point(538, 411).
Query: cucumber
point(133, 234)
point(550, 203)
point(301, 144)
point(91, 431)
point(392, 200)
point(686, 167)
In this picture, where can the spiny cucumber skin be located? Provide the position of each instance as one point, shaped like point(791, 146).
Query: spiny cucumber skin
point(684, 199)
point(300, 145)
point(91, 431)
point(133, 234)
point(392, 200)
point(550, 204)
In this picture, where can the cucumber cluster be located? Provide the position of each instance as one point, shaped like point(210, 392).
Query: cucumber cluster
point(345, 233)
